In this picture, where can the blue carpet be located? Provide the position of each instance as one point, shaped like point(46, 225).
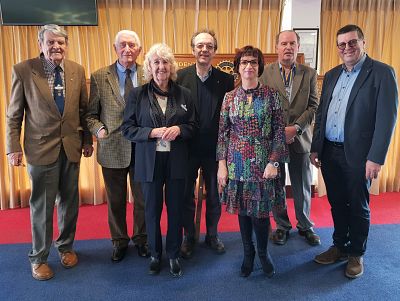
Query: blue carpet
point(208, 276)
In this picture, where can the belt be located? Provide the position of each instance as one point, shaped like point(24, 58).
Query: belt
point(334, 143)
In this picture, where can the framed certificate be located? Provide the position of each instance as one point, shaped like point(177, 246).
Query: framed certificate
point(309, 45)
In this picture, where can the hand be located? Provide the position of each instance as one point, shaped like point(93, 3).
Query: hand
point(102, 133)
point(270, 171)
point(15, 159)
point(157, 132)
point(171, 133)
point(372, 170)
point(222, 175)
point(314, 160)
point(87, 150)
point(290, 133)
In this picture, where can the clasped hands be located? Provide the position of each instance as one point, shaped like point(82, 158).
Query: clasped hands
point(166, 133)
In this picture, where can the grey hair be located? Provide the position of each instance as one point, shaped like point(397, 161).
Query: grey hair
point(163, 51)
point(54, 29)
point(130, 33)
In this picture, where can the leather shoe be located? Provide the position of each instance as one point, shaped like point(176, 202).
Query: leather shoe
point(332, 255)
point(187, 247)
point(175, 267)
point(355, 267)
point(143, 250)
point(155, 266)
point(280, 237)
point(41, 271)
point(215, 243)
point(118, 253)
point(69, 259)
point(311, 237)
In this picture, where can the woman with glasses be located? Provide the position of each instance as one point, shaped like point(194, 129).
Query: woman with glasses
point(251, 143)
point(160, 119)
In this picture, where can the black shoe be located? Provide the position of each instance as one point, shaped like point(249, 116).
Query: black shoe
point(142, 250)
point(118, 253)
point(280, 237)
point(247, 265)
point(187, 247)
point(267, 265)
point(311, 237)
point(155, 266)
point(215, 243)
point(175, 267)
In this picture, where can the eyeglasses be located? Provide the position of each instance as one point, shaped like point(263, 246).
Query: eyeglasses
point(200, 46)
point(351, 43)
point(253, 63)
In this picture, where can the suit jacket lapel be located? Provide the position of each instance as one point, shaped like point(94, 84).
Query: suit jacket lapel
point(192, 83)
point(277, 78)
point(299, 73)
point(140, 75)
point(364, 73)
point(331, 87)
point(70, 84)
point(40, 79)
point(112, 78)
point(214, 87)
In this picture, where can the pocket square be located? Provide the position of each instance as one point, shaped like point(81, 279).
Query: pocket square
point(184, 107)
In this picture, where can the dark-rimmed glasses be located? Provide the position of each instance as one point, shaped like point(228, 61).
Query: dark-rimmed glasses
point(253, 63)
point(351, 44)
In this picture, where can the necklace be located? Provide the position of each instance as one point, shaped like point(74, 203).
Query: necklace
point(249, 93)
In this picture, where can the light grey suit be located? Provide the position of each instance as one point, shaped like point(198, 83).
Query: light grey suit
point(114, 153)
point(300, 109)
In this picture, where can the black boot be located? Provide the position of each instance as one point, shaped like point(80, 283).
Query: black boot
point(261, 226)
point(246, 231)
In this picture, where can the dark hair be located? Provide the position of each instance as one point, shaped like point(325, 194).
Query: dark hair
point(210, 32)
point(249, 51)
point(350, 28)
point(279, 34)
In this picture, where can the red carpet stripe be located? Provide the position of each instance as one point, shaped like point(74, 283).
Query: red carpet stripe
point(92, 222)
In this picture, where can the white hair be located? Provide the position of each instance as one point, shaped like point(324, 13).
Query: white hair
point(130, 33)
point(163, 51)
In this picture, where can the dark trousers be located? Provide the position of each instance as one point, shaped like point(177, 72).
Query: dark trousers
point(115, 180)
point(213, 205)
point(348, 195)
point(260, 226)
point(56, 181)
point(153, 199)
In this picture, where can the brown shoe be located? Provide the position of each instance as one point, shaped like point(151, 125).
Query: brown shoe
point(330, 256)
point(41, 271)
point(355, 267)
point(69, 259)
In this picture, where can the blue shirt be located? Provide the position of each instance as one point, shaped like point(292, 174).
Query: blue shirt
point(340, 97)
point(121, 77)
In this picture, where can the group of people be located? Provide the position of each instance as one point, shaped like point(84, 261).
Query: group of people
point(159, 125)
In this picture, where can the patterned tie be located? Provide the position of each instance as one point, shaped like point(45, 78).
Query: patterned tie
point(128, 84)
point(58, 89)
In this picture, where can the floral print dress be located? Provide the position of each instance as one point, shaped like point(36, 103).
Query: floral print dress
point(252, 133)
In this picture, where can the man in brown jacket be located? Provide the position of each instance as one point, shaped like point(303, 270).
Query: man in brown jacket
point(50, 93)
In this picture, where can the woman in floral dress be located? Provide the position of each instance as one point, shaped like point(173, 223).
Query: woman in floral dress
point(251, 144)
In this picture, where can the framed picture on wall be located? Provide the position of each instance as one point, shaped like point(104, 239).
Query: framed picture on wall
point(309, 45)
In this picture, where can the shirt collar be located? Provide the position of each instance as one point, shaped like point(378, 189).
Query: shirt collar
point(205, 77)
point(293, 67)
point(122, 69)
point(49, 65)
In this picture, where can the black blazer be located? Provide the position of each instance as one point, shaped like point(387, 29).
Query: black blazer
point(138, 124)
point(370, 114)
point(206, 144)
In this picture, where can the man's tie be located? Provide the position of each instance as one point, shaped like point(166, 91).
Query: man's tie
point(58, 89)
point(128, 84)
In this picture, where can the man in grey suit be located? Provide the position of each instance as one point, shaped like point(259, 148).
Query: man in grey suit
point(297, 84)
point(353, 128)
point(50, 93)
point(109, 90)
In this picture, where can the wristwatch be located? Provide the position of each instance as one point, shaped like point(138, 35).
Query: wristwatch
point(274, 164)
point(299, 131)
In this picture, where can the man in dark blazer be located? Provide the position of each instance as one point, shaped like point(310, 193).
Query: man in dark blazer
point(208, 86)
point(297, 84)
point(50, 93)
point(109, 90)
point(353, 127)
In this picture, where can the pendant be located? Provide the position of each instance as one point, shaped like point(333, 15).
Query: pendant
point(249, 99)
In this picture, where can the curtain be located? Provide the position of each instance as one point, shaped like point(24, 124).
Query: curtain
point(380, 22)
point(236, 23)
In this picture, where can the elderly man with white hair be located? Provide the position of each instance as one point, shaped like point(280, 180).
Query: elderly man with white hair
point(109, 90)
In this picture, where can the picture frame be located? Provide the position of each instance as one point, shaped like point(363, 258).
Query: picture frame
point(309, 38)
